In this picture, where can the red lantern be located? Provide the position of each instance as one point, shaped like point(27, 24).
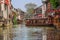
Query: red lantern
point(52, 10)
point(55, 10)
point(59, 10)
point(7, 2)
point(49, 10)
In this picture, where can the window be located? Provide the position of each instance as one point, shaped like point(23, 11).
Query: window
point(39, 11)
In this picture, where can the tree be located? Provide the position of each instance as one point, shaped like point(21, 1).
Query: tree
point(30, 8)
point(54, 3)
point(30, 5)
point(14, 18)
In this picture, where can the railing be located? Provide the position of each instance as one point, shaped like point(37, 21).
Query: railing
point(38, 22)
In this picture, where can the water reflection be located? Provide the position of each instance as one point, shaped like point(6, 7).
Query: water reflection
point(27, 33)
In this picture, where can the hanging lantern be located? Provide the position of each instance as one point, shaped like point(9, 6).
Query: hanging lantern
point(7, 2)
point(59, 10)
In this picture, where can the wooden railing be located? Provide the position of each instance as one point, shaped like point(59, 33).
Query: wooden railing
point(38, 22)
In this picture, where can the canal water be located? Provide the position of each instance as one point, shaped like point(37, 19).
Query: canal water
point(22, 32)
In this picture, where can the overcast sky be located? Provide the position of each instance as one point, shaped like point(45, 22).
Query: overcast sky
point(21, 3)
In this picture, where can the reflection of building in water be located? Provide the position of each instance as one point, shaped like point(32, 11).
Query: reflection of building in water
point(43, 34)
point(36, 34)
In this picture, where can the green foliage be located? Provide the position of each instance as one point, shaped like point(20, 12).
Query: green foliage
point(14, 20)
point(54, 3)
point(30, 10)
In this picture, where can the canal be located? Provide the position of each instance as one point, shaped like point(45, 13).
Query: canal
point(22, 32)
